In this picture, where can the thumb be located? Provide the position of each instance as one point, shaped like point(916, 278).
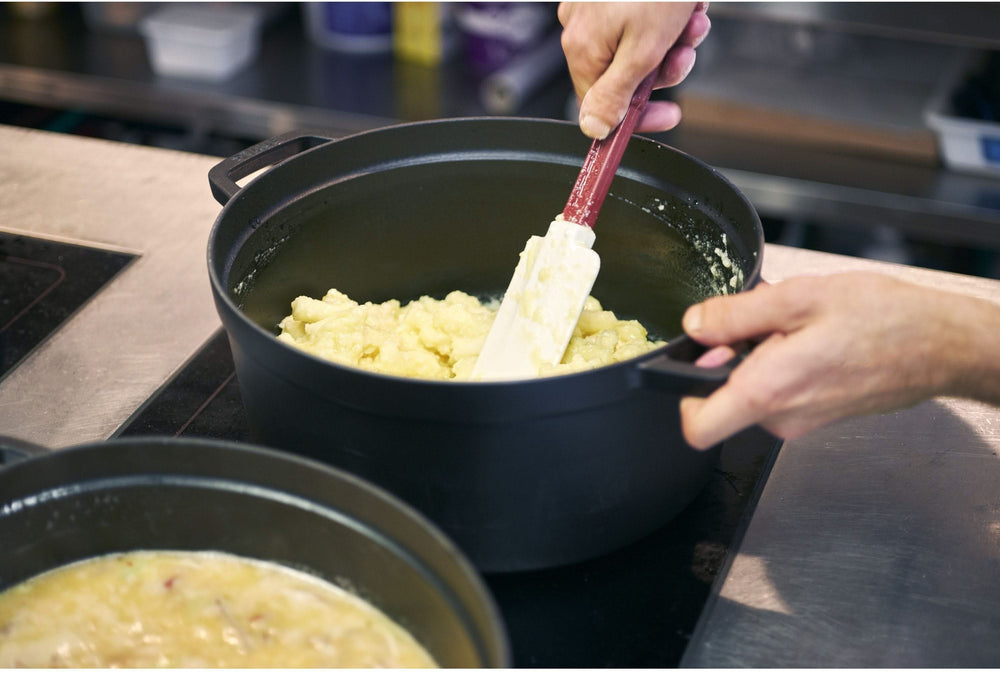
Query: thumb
point(731, 318)
point(607, 100)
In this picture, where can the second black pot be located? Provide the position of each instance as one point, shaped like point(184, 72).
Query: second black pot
point(523, 474)
point(149, 494)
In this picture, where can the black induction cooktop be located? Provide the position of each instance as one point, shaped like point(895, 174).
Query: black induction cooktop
point(42, 283)
point(635, 607)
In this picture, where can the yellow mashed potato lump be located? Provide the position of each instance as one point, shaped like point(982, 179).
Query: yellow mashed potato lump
point(194, 609)
point(441, 339)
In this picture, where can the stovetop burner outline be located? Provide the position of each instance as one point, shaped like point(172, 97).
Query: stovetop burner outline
point(61, 276)
point(80, 272)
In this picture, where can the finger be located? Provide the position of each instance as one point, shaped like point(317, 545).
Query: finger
point(589, 60)
point(677, 65)
point(587, 56)
point(746, 315)
point(563, 12)
point(707, 421)
point(604, 105)
point(659, 116)
point(716, 357)
point(696, 30)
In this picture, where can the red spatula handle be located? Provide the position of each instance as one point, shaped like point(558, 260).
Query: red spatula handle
point(602, 161)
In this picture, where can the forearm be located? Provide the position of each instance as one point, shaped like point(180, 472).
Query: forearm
point(975, 350)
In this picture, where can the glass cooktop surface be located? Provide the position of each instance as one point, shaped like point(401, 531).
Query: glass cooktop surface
point(635, 607)
point(42, 283)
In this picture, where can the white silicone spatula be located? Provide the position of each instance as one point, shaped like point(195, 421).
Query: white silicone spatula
point(556, 272)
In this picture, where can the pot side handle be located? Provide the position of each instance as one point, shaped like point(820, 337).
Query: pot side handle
point(13, 450)
point(674, 371)
point(223, 176)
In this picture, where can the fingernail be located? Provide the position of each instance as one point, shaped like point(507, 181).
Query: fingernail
point(692, 319)
point(594, 127)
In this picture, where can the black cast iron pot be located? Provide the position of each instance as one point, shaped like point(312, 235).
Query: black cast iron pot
point(149, 494)
point(523, 474)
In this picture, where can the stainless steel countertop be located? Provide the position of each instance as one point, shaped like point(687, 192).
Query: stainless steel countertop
point(84, 381)
point(875, 542)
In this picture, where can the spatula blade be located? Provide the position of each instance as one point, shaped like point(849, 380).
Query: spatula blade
point(556, 272)
point(540, 309)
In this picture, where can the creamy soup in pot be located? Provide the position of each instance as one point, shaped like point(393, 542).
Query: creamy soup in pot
point(194, 609)
point(441, 339)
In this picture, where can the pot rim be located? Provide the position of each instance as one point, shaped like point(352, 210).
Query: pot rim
point(10, 505)
point(626, 371)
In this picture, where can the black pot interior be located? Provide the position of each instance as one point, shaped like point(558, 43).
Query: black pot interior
point(431, 208)
point(162, 494)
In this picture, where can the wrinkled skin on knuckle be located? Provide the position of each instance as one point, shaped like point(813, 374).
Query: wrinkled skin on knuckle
point(563, 13)
point(676, 66)
point(698, 28)
point(575, 44)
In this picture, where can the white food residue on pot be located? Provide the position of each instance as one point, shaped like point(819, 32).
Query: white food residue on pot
point(735, 283)
point(727, 274)
point(441, 339)
point(724, 272)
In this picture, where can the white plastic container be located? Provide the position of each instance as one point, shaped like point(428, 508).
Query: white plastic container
point(967, 145)
point(206, 42)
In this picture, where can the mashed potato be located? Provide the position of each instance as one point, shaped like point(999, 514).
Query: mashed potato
point(441, 339)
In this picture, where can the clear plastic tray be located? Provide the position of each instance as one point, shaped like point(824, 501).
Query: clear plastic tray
point(209, 42)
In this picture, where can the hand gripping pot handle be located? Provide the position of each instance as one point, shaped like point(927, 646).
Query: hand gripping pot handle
point(674, 371)
point(223, 176)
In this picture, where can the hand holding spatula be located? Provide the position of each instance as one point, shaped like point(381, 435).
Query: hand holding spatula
point(556, 272)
